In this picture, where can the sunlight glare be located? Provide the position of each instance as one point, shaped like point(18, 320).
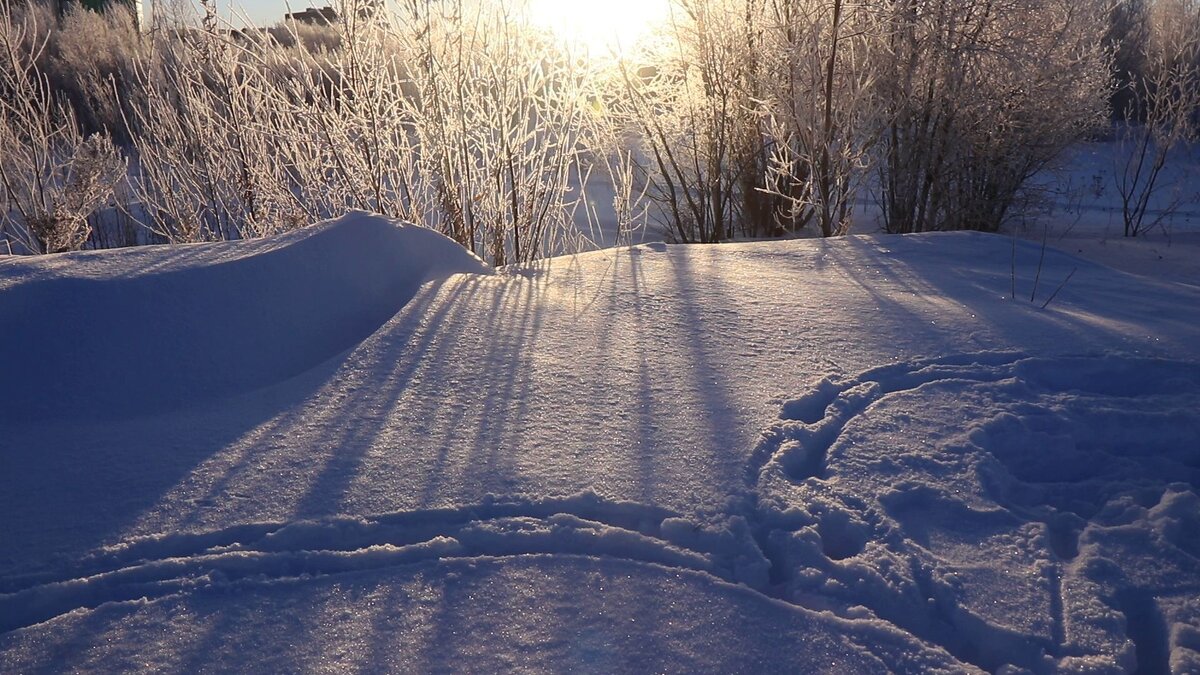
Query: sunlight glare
point(602, 27)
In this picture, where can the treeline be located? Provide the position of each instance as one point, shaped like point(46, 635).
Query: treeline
point(741, 118)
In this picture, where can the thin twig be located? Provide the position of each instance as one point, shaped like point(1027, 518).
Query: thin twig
point(1041, 259)
point(1060, 287)
point(1012, 269)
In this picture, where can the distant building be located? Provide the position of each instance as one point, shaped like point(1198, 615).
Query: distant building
point(325, 16)
point(320, 17)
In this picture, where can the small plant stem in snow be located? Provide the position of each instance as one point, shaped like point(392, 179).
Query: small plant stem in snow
point(1041, 259)
point(1060, 287)
point(1012, 269)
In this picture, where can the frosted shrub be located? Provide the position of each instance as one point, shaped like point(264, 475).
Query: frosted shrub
point(53, 175)
point(457, 116)
point(745, 118)
point(90, 59)
point(979, 98)
point(823, 113)
point(86, 58)
point(692, 106)
point(499, 116)
point(207, 134)
point(762, 116)
point(86, 178)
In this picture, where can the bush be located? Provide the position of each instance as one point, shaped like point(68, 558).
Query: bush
point(745, 118)
point(54, 176)
point(979, 101)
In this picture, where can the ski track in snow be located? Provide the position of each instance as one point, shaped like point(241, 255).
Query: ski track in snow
point(832, 519)
point(584, 524)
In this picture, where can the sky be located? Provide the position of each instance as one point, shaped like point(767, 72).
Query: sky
point(259, 12)
point(597, 24)
point(269, 12)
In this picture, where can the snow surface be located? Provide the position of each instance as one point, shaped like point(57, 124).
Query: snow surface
point(1083, 214)
point(96, 331)
point(355, 446)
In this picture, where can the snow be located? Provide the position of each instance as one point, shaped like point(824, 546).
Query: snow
point(1084, 214)
point(356, 446)
point(1010, 488)
point(237, 316)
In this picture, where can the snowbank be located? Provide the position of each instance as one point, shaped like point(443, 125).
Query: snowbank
point(602, 464)
point(114, 334)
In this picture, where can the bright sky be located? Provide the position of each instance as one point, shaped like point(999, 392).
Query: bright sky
point(268, 12)
point(596, 24)
point(600, 25)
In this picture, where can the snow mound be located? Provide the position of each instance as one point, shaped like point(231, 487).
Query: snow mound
point(122, 333)
point(1033, 512)
point(1027, 510)
point(548, 553)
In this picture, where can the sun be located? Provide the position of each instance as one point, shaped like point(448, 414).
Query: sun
point(601, 27)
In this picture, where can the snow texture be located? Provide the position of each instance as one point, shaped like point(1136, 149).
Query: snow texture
point(356, 447)
point(91, 334)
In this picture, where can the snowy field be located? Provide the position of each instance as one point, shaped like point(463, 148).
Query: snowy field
point(355, 447)
point(1083, 214)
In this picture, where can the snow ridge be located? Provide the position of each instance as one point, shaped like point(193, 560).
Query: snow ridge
point(220, 318)
point(583, 524)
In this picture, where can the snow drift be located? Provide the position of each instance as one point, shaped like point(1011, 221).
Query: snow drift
point(85, 336)
point(859, 455)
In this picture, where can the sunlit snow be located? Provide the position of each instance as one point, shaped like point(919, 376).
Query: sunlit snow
point(357, 447)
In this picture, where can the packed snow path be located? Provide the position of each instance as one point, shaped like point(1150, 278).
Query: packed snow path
point(1018, 487)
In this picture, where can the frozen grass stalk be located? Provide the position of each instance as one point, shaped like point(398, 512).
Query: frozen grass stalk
point(1060, 287)
point(54, 176)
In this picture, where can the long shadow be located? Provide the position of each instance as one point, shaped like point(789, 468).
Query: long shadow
point(354, 413)
point(448, 432)
point(66, 489)
point(961, 288)
point(450, 373)
point(507, 374)
point(486, 353)
point(706, 355)
point(883, 279)
point(342, 426)
point(648, 435)
point(605, 635)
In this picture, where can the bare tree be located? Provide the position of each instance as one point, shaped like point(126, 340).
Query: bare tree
point(824, 116)
point(982, 96)
point(749, 117)
point(1161, 113)
point(694, 105)
point(499, 117)
point(455, 115)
